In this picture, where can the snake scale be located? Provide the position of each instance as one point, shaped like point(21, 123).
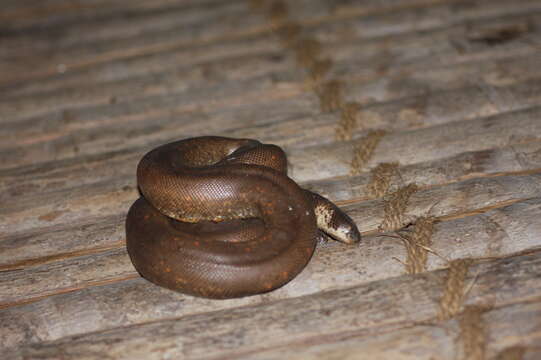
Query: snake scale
point(219, 218)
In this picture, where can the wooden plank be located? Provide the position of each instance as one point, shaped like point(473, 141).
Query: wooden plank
point(321, 317)
point(86, 234)
point(60, 142)
point(496, 339)
point(410, 147)
point(512, 159)
point(149, 115)
point(353, 59)
point(496, 233)
point(76, 174)
point(459, 112)
point(175, 72)
point(30, 207)
point(255, 61)
point(235, 23)
point(100, 22)
point(82, 55)
point(103, 128)
point(83, 119)
point(313, 163)
point(65, 276)
point(23, 14)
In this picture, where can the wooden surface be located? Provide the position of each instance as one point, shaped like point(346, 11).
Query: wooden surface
point(421, 118)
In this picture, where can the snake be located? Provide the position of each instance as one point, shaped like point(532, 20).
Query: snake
point(220, 218)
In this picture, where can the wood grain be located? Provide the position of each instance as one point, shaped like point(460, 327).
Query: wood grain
point(441, 341)
point(496, 233)
point(356, 311)
point(108, 200)
point(446, 91)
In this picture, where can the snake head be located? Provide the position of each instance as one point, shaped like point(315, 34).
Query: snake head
point(349, 233)
point(333, 221)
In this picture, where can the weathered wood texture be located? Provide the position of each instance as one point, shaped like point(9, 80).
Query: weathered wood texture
point(76, 120)
point(422, 118)
point(454, 200)
point(494, 233)
point(362, 311)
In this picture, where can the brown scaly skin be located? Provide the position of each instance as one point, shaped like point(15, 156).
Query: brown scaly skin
point(220, 218)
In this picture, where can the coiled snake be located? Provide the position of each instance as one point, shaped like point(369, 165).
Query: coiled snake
point(220, 218)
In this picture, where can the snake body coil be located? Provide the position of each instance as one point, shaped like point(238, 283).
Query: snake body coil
point(220, 218)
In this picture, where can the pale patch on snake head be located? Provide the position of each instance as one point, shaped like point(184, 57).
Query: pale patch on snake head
point(336, 224)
